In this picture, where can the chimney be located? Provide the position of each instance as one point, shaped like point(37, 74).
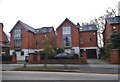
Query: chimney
point(1, 31)
point(78, 24)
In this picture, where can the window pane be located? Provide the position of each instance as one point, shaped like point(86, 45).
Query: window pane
point(81, 40)
point(67, 41)
point(91, 39)
point(66, 30)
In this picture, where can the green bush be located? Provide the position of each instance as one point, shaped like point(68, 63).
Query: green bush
point(104, 51)
point(113, 44)
point(114, 40)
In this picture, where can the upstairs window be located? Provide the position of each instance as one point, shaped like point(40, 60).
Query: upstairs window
point(66, 30)
point(17, 34)
point(17, 39)
point(90, 39)
point(81, 40)
point(67, 41)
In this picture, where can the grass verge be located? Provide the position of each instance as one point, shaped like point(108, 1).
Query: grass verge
point(40, 68)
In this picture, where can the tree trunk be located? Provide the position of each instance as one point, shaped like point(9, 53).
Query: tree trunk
point(45, 62)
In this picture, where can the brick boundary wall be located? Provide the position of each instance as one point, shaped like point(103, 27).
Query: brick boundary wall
point(31, 58)
point(14, 58)
point(115, 56)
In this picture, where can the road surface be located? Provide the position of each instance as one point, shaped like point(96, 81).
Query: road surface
point(32, 75)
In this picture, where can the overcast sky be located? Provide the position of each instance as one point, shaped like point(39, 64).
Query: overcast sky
point(41, 13)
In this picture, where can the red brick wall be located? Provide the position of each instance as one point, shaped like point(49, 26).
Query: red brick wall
point(109, 30)
point(59, 38)
point(31, 40)
point(75, 37)
point(107, 33)
point(115, 56)
point(39, 38)
point(24, 38)
point(117, 27)
point(50, 38)
point(74, 31)
point(2, 35)
point(11, 41)
point(86, 36)
point(1, 31)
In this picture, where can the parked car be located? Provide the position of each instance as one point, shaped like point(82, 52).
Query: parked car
point(66, 56)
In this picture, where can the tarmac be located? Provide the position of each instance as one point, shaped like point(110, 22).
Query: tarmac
point(94, 66)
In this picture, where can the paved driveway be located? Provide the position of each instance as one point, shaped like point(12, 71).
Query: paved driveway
point(97, 61)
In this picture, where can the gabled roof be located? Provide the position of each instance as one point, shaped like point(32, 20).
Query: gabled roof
point(1, 24)
point(5, 36)
point(87, 28)
point(27, 27)
point(65, 21)
point(44, 30)
point(113, 20)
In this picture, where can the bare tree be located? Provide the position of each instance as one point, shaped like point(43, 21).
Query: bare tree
point(100, 23)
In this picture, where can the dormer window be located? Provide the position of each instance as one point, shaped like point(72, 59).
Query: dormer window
point(81, 29)
point(44, 30)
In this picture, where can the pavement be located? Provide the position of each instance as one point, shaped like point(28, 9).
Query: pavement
point(94, 66)
point(98, 61)
point(95, 70)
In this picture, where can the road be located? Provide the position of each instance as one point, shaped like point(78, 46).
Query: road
point(104, 69)
point(32, 75)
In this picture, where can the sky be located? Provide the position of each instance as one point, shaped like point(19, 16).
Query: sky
point(45, 13)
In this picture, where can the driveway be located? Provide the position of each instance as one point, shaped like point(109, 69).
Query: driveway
point(97, 61)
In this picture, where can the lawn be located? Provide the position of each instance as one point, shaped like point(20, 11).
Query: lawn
point(40, 68)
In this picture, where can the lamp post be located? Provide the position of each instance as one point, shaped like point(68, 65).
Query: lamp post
point(25, 63)
point(44, 44)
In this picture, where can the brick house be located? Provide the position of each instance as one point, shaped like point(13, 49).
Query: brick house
point(72, 38)
point(4, 42)
point(75, 38)
point(88, 40)
point(112, 24)
point(67, 36)
point(24, 39)
point(45, 35)
point(1, 31)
